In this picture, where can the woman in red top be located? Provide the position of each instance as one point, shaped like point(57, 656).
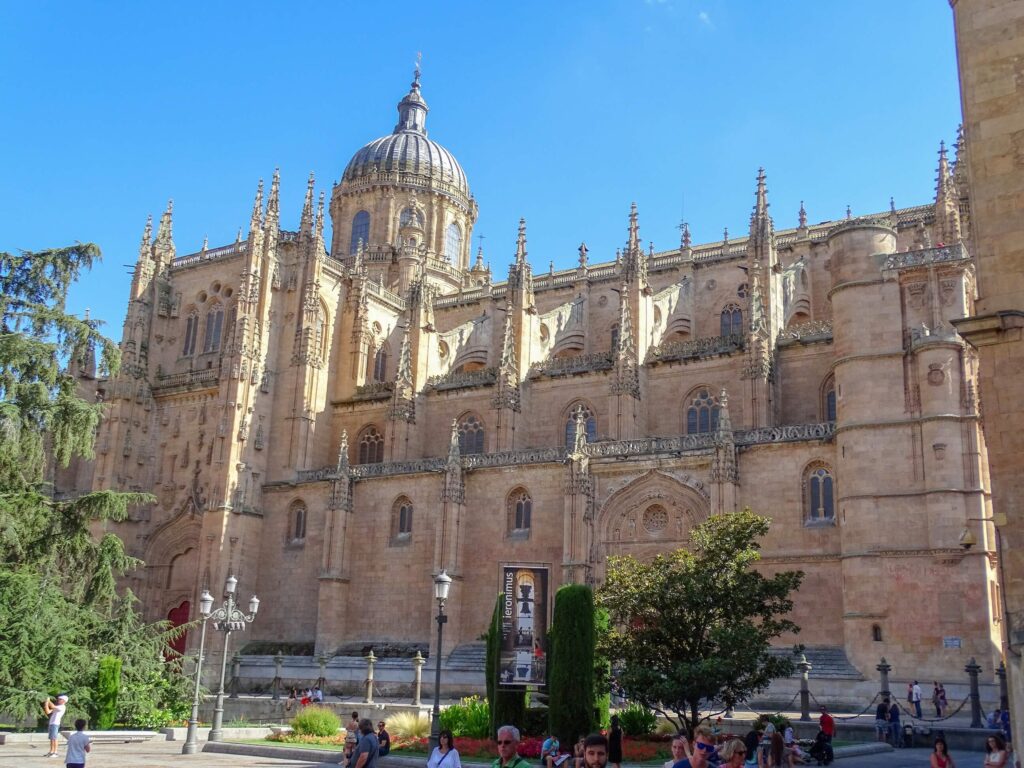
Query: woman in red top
point(941, 757)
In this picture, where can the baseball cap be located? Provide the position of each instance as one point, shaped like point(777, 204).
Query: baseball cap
point(62, 697)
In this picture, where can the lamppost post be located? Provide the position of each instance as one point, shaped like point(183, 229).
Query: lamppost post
point(191, 745)
point(228, 619)
point(442, 583)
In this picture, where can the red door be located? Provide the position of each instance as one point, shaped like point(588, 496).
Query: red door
point(177, 617)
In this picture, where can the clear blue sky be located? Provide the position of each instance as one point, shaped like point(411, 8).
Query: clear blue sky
point(560, 112)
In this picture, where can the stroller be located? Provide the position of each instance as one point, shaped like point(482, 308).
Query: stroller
point(821, 750)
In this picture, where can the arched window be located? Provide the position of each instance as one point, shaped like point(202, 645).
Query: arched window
point(370, 446)
point(702, 412)
point(297, 523)
point(360, 231)
point(191, 332)
point(589, 422)
point(819, 495)
point(380, 364)
point(214, 327)
point(453, 242)
point(320, 332)
point(401, 520)
point(471, 435)
point(615, 337)
point(410, 217)
point(876, 633)
point(732, 320)
point(520, 510)
point(828, 399)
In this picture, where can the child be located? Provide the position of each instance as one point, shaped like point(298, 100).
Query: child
point(78, 746)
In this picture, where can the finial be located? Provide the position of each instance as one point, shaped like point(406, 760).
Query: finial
point(147, 235)
point(163, 232)
point(416, 73)
point(478, 265)
point(634, 230)
point(257, 208)
point(892, 204)
point(320, 218)
point(684, 238)
point(551, 267)
point(583, 254)
point(206, 244)
point(238, 237)
point(725, 237)
point(650, 249)
point(273, 199)
point(86, 315)
point(343, 450)
point(618, 255)
point(802, 216)
point(306, 223)
point(521, 243)
point(849, 213)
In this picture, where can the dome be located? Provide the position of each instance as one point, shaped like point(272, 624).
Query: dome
point(408, 151)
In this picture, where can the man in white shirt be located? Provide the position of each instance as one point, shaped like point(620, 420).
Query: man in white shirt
point(916, 693)
point(56, 712)
point(78, 745)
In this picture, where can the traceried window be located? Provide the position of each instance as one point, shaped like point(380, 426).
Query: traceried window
point(471, 435)
point(360, 231)
point(589, 422)
point(410, 217)
point(297, 523)
point(214, 328)
point(828, 399)
point(732, 320)
point(819, 495)
point(615, 337)
point(191, 332)
point(453, 242)
point(370, 446)
point(401, 520)
point(520, 510)
point(380, 364)
point(702, 412)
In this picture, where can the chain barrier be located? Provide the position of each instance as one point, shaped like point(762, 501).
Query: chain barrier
point(913, 716)
point(850, 717)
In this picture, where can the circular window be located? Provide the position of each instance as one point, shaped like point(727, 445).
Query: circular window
point(602, 301)
point(545, 334)
point(442, 349)
point(201, 297)
point(376, 328)
point(215, 288)
point(655, 518)
point(228, 292)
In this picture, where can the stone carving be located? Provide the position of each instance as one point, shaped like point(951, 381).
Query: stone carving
point(655, 519)
point(944, 253)
point(484, 377)
point(566, 366)
point(813, 330)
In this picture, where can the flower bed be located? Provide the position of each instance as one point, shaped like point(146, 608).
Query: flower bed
point(633, 750)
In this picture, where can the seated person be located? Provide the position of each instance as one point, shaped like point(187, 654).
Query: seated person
point(577, 753)
point(549, 753)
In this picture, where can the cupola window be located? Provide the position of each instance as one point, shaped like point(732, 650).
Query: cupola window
point(360, 231)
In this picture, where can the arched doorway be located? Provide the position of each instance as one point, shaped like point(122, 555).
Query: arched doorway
point(177, 617)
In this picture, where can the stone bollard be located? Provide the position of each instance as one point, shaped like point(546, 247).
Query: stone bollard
point(972, 669)
point(278, 661)
point(370, 659)
point(1004, 695)
point(321, 682)
point(417, 665)
point(236, 663)
point(805, 692)
point(883, 671)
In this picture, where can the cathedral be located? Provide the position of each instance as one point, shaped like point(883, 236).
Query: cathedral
point(335, 423)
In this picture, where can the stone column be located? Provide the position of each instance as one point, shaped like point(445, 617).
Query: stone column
point(321, 682)
point(1004, 696)
point(417, 664)
point(236, 663)
point(805, 692)
point(370, 659)
point(972, 669)
point(278, 661)
point(883, 671)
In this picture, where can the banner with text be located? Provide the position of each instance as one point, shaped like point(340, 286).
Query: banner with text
point(524, 625)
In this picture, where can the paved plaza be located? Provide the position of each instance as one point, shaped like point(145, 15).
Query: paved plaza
point(167, 754)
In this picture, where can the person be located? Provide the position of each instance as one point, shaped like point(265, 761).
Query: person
point(578, 753)
point(734, 753)
point(703, 749)
point(827, 724)
point(508, 741)
point(940, 756)
point(318, 695)
point(445, 755)
point(821, 751)
point(882, 720)
point(367, 748)
point(943, 701)
point(752, 740)
point(993, 720)
point(292, 698)
point(549, 752)
point(350, 748)
point(615, 743)
point(935, 698)
point(894, 724)
point(56, 713)
point(595, 751)
point(916, 696)
point(353, 725)
point(680, 749)
point(307, 697)
point(766, 738)
point(995, 752)
point(778, 756)
point(78, 745)
point(384, 740)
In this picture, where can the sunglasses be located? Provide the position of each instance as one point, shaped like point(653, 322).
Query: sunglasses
point(740, 752)
point(506, 741)
point(705, 747)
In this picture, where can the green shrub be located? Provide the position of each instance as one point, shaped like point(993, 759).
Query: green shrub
point(108, 685)
point(602, 672)
point(637, 720)
point(316, 721)
point(507, 706)
point(571, 660)
point(780, 721)
point(412, 724)
point(471, 718)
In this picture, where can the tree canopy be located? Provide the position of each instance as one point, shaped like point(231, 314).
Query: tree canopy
point(695, 626)
point(60, 608)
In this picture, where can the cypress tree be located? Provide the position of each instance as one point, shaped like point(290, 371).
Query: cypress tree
point(571, 658)
point(507, 705)
point(602, 671)
point(108, 685)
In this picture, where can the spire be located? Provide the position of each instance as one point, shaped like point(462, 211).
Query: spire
point(761, 226)
point(942, 177)
point(206, 244)
point(725, 239)
point(802, 216)
point(634, 264)
point(412, 110)
point(723, 466)
point(306, 222)
point(583, 254)
point(626, 380)
point(319, 229)
point(273, 217)
point(685, 243)
point(257, 208)
point(892, 204)
point(849, 212)
point(164, 242)
point(633, 244)
point(960, 161)
point(507, 394)
point(145, 247)
point(478, 265)
point(521, 244)
point(947, 202)
point(403, 404)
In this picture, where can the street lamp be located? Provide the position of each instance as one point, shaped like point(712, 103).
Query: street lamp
point(191, 745)
point(442, 583)
point(227, 619)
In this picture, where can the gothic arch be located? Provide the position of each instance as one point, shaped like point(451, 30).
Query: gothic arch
point(172, 563)
point(650, 515)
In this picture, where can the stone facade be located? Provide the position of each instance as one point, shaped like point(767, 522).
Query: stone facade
point(334, 427)
point(990, 49)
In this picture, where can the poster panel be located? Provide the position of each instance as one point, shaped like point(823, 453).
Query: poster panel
point(524, 625)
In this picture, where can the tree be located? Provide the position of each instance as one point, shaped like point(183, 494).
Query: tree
point(108, 684)
point(571, 661)
point(602, 670)
point(695, 627)
point(60, 610)
point(507, 706)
